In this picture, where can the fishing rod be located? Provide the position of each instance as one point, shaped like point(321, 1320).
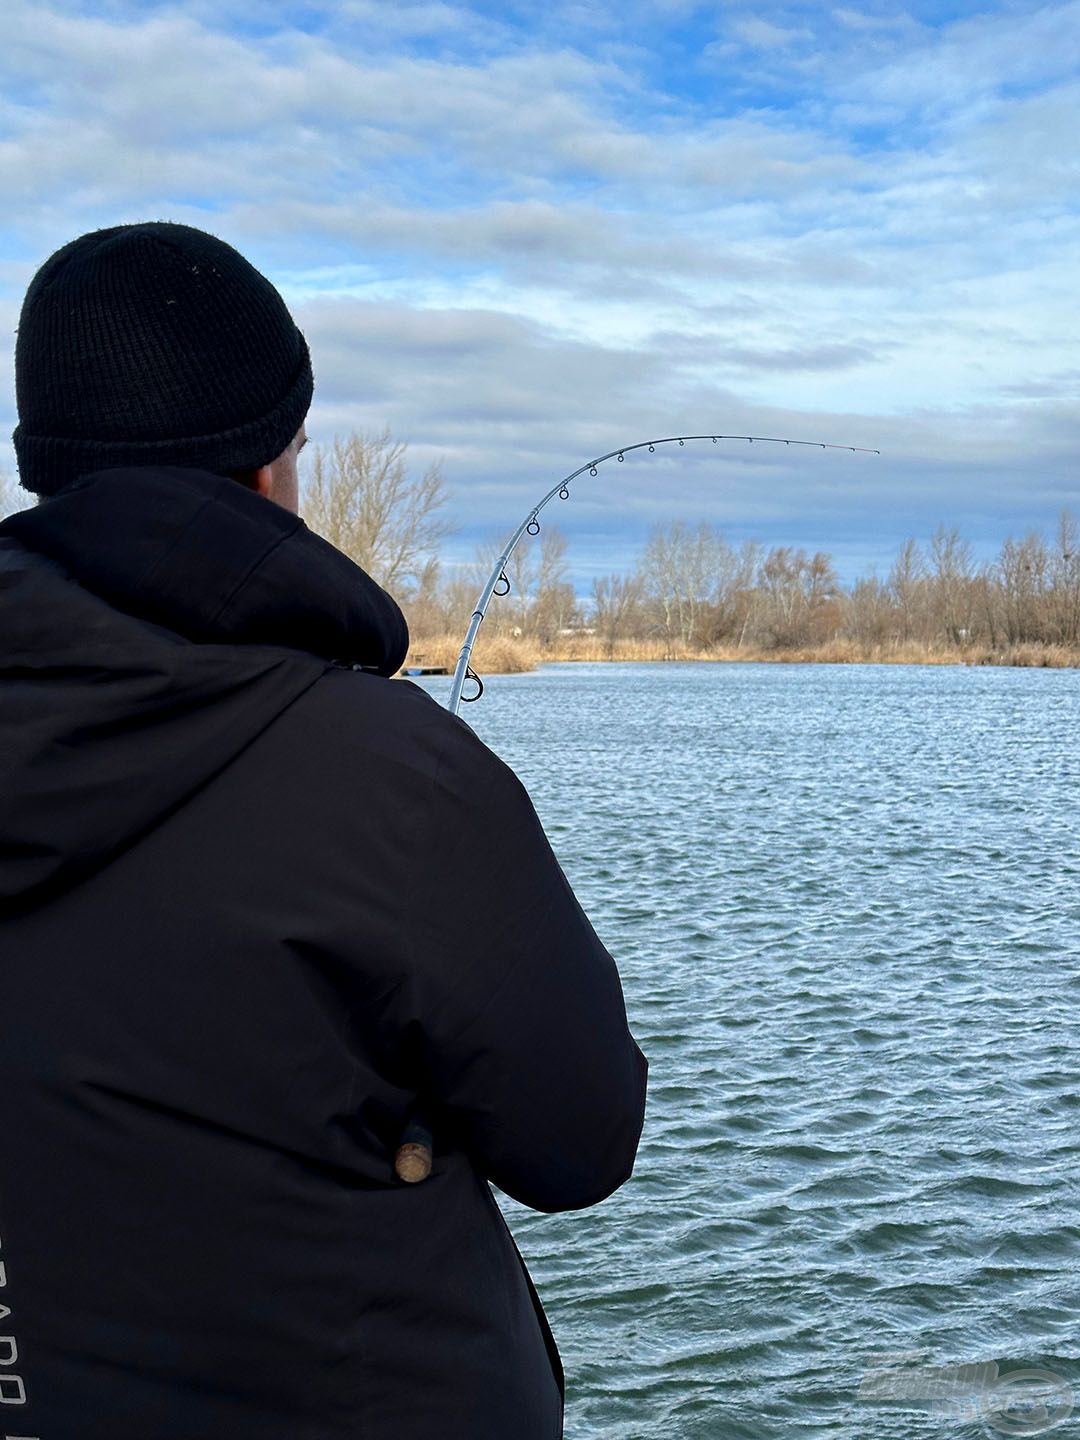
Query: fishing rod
point(412, 1160)
point(531, 526)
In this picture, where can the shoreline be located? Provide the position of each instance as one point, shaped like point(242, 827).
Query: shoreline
point(503, 655)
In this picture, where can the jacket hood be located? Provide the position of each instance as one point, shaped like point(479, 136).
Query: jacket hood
point(153, 621)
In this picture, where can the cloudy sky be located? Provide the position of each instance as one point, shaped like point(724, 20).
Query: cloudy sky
point(520, 236)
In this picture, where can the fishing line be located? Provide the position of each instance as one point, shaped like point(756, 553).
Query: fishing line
point(498, 583)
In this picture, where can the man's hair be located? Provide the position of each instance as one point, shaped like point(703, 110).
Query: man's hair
point(154, 343)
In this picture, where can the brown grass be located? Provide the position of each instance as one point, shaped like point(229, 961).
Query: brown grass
point(493, 654)
point(1049, 657)
point(593, 647)
point(499, 654)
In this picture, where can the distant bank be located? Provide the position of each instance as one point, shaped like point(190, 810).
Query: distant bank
point(506, 654)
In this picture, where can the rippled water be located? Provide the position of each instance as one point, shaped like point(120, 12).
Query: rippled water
point(844, 901)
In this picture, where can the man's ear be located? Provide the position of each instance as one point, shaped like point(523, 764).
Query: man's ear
point(258, 480)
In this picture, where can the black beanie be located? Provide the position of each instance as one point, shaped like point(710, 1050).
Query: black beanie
point(154, 344)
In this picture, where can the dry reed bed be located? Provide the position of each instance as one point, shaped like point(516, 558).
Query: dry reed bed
point(493, 654)
point(497, 654)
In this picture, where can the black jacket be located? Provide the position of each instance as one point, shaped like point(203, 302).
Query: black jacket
point(255, 904)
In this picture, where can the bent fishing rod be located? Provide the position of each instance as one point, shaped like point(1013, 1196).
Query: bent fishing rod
point(531, 526)
point(412, 1161)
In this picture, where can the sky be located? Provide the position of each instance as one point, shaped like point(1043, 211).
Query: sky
point(521, 236)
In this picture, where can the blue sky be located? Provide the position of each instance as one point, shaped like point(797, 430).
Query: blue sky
point(520, 237)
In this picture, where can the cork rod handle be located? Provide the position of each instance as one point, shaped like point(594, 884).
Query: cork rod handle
point(412, 1162)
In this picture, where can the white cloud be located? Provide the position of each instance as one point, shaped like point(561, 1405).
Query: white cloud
point(951, 73)
point(763, 35)
point(514, 247)
point(860, 20)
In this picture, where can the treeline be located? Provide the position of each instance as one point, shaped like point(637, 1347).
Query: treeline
point(692, 592)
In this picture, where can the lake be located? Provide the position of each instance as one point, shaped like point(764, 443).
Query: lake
point(844, 902)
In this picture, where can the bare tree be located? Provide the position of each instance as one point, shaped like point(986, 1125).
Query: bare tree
point(1022, 577)
point(907, 586)
point(455, 602)
point(541, 601)
point(730, 597)
point(869, 611)
point(615, 599)
point(800, 595)
point(662, 579)
point(690, 576)
point(426, 602)
point(951, 588)
point(1064, 598)
point(361, 497)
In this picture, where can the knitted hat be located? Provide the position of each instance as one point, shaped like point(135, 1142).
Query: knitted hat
point(154, 344)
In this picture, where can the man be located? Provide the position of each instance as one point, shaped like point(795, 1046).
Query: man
point(259, 904)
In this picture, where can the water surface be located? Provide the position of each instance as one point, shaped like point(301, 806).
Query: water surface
point(844, 903)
